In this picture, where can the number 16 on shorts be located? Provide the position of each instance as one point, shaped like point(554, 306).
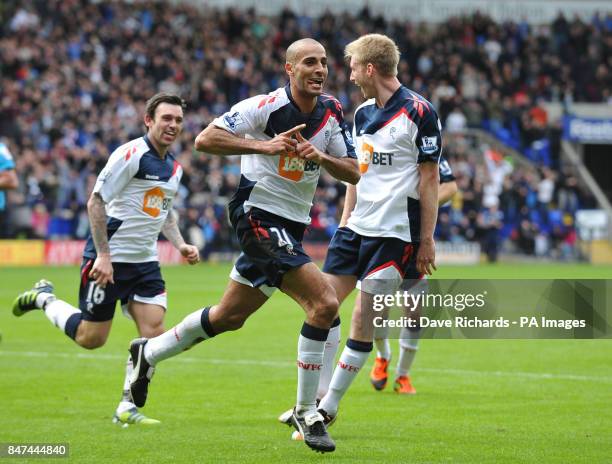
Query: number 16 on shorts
point(95, 295)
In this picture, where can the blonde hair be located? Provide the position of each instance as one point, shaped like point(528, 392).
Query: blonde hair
point(377, 49)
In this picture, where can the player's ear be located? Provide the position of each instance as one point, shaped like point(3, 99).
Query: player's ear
point(289, 69)
point(148, 120)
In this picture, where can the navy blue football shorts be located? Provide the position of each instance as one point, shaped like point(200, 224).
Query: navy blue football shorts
point(382, 262)
point(271, 246)
point(141, 282)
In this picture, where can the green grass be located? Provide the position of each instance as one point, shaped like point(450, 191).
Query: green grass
point(478, 400)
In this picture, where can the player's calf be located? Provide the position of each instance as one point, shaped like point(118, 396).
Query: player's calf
point(91, 335)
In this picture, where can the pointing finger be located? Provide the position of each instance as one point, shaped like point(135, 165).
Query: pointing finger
point(300, 137)
point(293, 130)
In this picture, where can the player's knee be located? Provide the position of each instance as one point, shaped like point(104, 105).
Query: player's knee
point(91, 342)
point(152, 330)
point(326, 309)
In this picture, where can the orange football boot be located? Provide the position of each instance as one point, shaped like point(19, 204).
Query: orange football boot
point(378, 375)
point(403, 386)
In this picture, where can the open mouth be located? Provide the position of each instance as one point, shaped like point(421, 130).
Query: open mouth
point(316, 82)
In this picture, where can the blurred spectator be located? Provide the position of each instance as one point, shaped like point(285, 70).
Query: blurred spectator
point(490, 220)
point(72, 72)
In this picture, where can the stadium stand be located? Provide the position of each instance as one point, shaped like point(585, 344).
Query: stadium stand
point(75, 75)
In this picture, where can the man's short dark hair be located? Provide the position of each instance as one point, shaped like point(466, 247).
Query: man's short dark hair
point(163, 97)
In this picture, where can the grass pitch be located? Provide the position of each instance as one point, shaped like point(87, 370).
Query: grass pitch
point(501, 401)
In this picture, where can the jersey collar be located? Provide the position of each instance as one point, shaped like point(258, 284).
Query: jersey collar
point(397, 95)
point(153, 150)
point(317, 113)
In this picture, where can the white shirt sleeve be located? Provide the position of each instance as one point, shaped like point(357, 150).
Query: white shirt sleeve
point(121, 167)
point(341, 143)
point(246, 117)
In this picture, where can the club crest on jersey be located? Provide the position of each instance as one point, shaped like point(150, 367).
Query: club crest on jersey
point(155, 202)
point(233, 120)
point(429, 145)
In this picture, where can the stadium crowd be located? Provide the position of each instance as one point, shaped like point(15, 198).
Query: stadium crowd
point(74, 76)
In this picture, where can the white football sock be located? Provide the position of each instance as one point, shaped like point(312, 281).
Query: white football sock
point(179, 338)
point(381, 341)
point(58, 312)
point(309, 363)
point(126, 397)
point(409, 344)
point(383, 348)
point(124, 406)
point(329, 356)
point(350, 363)
point(42, 298)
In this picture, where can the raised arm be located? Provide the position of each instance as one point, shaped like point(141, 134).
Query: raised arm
point(345, 169)
point(217, 141)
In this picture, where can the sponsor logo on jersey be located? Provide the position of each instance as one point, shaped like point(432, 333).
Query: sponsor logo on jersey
point(368, 156)
point(292, 167)
point(155, 202)
point(429, 145)
point(364, 156)
point(233, 120)
point(151, 177)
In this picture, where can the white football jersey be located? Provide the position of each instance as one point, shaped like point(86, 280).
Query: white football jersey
point(391, 142)
point(285, 184)
point(138, 188)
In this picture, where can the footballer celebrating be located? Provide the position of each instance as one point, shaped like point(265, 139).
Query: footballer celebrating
point(130, 205)
point(389, 217)
point(409, 337)
point(285, 138)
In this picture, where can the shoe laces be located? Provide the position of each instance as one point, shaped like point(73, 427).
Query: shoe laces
point(317, 429)
point(314, 421)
